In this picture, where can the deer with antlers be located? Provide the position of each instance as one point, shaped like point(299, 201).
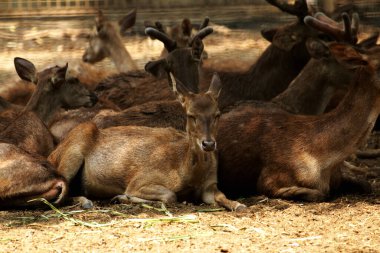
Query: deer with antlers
point(180, 165)
point(137, 88)
point(304, 161)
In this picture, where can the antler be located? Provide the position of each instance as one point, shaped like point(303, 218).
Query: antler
point(201, 34)
point(324, 24)
point(299, 8)
point(169, 44)
point(204, 23)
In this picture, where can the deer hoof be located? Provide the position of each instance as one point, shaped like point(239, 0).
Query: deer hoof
point(120, 199)
point(87, 204)
point(240, 207)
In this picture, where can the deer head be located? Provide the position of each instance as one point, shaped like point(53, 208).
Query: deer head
point(202, 113)
point(183, 63)
point(101, 42)
point(53, 90)
point(289, 36)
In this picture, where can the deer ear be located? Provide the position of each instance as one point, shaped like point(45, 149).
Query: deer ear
point(25, 70)
point(157, 68)
point(60, 76)
point(317, 49)
point(369, 42)
point(186, 26)
point(179, 89)
point(348, 56)
point(99, 20)
point(268, 34)
point(215, 86)
point(127, 21)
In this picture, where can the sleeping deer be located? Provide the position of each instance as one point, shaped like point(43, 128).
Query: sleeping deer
point(299, 157)
point(24, 173)
point(141, 164)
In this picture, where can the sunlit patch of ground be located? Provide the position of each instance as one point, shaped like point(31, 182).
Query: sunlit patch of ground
point(346, 224)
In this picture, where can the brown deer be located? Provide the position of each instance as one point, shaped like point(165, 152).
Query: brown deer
point(309, 93)
point(106, 42)
point(277, 66)
point(27, 129)
point(131, 88)
point(24, 173)
point(312, 90)
point(140, 164)
point(127, 89)
point(181, 34)
point(298, 157)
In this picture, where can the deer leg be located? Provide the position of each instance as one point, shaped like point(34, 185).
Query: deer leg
point(301, 193)
point(351, 184)
point(54, 191)
point(212, 195)
point(84, 202)
point(147, 194)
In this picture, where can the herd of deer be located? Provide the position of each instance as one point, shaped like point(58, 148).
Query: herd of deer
point(283, 128)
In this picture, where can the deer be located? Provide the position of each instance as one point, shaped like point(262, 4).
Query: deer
point(276, 67)
point(309, 93)
point(25, 174)
point(106, 42)
point(291, 156)
point(27, 126)
point(181, 33)
point(137, 88)
point(181, 165)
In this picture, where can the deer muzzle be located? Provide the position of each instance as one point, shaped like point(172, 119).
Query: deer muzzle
point(208, 145)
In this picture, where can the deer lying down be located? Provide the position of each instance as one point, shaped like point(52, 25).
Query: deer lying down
point(137, 88)
point(309, 93)
point(298, 157)
point(24, 173)
point(140, 164)
point(180, 33)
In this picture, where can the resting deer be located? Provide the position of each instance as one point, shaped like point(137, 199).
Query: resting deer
point(293, 156)
point(181, 34)
point(276, 67)
point(137, 88)
point(309, 93)
point(24, 173)
point(106, 42)
point(140, 164)
point(27, 127)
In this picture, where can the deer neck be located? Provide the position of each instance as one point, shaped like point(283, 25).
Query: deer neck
point(342, 131)
point(311, 91)
point(199, 162)
point(120, 57)
point(43, 106)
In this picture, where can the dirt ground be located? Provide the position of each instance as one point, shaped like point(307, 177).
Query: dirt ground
point(348, 223)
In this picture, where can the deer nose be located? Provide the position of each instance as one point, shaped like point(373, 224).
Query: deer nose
point(208, 145)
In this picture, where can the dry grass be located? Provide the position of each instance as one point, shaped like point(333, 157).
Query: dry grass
point(346, 224)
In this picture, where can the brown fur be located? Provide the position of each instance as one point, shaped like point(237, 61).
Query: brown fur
point(271, 74)
point(115, 159)
point(24, 173)
point(106, 42)
point(282, 155)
